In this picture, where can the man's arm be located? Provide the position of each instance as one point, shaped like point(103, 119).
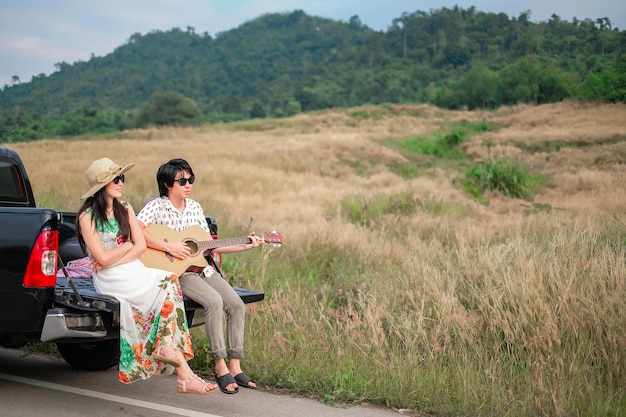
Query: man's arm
point(254, 242)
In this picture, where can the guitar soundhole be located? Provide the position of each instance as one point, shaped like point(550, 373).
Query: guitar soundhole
point(193, 246)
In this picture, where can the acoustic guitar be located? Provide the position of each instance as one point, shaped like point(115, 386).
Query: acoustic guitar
point(198, 241)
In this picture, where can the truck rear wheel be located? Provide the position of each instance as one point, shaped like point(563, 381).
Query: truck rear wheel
point(91, 356)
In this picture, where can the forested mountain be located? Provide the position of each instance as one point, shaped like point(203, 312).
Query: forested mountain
point(282, 64)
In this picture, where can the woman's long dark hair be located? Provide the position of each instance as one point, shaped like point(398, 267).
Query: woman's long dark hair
point(98, 205)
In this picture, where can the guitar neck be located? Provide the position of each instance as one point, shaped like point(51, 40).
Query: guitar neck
point(218, 243)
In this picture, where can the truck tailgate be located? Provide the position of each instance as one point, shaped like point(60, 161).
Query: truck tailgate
point(64, 294)
point(22, 309)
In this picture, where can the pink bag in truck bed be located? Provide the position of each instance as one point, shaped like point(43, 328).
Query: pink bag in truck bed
point(78, 268)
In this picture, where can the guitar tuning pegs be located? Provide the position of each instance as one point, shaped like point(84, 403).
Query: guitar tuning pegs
point(273, 238)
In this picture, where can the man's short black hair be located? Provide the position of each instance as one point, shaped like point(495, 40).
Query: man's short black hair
point(167, 172)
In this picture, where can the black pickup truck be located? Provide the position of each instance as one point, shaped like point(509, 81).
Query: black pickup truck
point(37, 304)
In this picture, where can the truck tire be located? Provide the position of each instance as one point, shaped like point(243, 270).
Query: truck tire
point(91, 356)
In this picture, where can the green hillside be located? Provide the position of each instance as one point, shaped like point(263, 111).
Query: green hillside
point(282, 64)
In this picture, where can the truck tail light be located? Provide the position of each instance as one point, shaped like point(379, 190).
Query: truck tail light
point(41, 270)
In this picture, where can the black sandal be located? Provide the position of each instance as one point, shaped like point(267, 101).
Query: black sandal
point(224, 381)
point(243, 381)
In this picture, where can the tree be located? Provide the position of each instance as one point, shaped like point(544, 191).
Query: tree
point(479, 88)
point(608, 85)
point(169, 108)
point(554, 85)
point(257, 111)
point(527, 73)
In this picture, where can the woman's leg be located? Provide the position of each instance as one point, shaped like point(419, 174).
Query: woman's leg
point(173, 331)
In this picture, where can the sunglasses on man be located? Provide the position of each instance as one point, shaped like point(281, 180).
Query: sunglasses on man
point(183, 181)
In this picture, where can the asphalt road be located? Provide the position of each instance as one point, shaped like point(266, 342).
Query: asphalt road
point(40, 385)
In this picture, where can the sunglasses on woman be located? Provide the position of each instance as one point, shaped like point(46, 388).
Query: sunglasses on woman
point(184, 181)
point(119, 178)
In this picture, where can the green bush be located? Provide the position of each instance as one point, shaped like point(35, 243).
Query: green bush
point(443, 145)
point(511, 179)
point(368, 212)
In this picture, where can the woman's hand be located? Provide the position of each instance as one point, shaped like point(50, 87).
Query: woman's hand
point(95, 266)
point(128, 246)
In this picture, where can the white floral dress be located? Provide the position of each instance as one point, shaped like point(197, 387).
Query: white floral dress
point(151, 310)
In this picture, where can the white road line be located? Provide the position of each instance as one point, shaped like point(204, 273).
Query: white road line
point(107, 397)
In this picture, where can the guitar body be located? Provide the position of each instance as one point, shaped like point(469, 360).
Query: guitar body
point(193, 236)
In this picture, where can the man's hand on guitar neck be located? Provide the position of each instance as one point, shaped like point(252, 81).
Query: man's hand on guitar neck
point(253, 242)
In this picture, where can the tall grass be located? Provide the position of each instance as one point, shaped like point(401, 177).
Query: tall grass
point(400, 290)
point(525, 321)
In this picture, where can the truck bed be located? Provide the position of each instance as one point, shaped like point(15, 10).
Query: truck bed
point(64, 294)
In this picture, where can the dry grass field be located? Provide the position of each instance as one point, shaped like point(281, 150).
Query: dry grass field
point(515, 307)
point(304, 165)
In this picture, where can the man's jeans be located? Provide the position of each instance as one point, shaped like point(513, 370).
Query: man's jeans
point(215, 294)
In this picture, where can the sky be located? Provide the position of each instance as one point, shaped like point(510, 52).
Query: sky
point(37, 34)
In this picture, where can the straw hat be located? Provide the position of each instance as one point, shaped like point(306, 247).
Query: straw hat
point(100, 173)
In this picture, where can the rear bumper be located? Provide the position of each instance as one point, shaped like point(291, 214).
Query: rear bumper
point(96, 316)
point(62, 325)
